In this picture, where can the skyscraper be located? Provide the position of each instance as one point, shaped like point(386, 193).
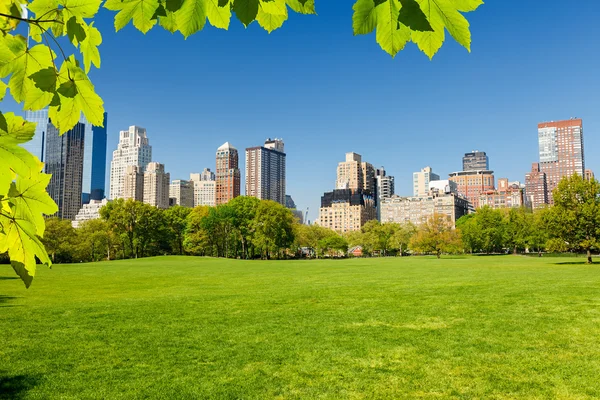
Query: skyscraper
point(228, 174)
point(207, 175)
point(133, 149)
point(476, 161)
point(94, 161)
point(156, 185)
point(133, 183)
point(37, 144)
point(421, 181)
point(64, 160)
point(182, 192)
point(355, 174)
point(561, 151)
point(536, 187)
point(265, 171)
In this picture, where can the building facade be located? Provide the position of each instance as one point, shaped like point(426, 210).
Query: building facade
point(37, 144)
point(133, 149)
point(421, 181)
point(589, 175)
point(346, 210)
point(265, 171)
point(133, 183)
point(476, 161)
point(471, 184)
point(227, 174)
point(419, 209)
point(204, 191)
point(156, 185)
point(94, 161)
point(536, 187)
point(88, 212)
point(506, 196)
point(182, 192)
point(561, 151)
point(64, 161)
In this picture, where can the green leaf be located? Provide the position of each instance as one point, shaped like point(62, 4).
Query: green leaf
point(3, 127)
point(89, 47)
point(274, 7)
point(444, 14)
point(23, 64)
point(31, 200)
point(173, 5)
point(50, 10)
point(191, 17)
point(391, 36)
point(246, 10)
point(80, 8)
point(412, 16)
point(3, 87)
point(218, 16)
point(16, 129)
point(467, 5)
point(169, 22)
point(141, 11)
point(75, 31)
point(23, 246)
point(14, 160)
point(364, 19)
point(302, 7)
point(74, 82)
point(45, 79)
point(270, 22)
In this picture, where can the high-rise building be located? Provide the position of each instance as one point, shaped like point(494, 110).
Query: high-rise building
point(385, 187)
point(64, 161)
point(536, 187)
point(204, 189)
point(443, 186)
point(346, 210)
point(265, 171)
point(37, 144)
point(289, 202)
point(589, 175)
point(94, 161)
point(207, 175)
point(561, 151)
point(227, 174)
point(88, 212)
point(471, 184)
point(476, 161)
point(156, 185)
point(421, 181)
point(356, 174)
point(133, 183)
point(133, 149)
point(419, 209)
point(183, 192)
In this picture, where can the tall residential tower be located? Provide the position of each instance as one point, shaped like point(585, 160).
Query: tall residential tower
point(133, 149)
point(227, 175)
point(265, 171)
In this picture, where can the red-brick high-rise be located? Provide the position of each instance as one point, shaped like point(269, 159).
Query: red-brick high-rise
point(227, 174)
point(536, 188)
point(561, 151)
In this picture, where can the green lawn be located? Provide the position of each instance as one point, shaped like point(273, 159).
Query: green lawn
point(183, 328)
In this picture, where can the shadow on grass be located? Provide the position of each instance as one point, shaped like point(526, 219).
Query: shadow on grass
point(6, 278)
point(16, 386)
point(6, 299)
point(574, 263)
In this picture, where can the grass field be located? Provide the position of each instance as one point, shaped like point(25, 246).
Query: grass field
point(184, 328)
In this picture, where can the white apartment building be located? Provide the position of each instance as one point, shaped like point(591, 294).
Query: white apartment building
point(421, 181)
point(133, 183)
point(133, 149)
point(156, 185)
point(205, 188)
point(89, 211)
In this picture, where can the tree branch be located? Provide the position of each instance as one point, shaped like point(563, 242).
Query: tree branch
point(29, 21)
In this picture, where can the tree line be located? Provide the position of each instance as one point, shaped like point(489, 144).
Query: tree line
point(248, 228)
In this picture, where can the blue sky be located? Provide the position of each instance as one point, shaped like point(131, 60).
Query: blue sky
point(326, 92)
